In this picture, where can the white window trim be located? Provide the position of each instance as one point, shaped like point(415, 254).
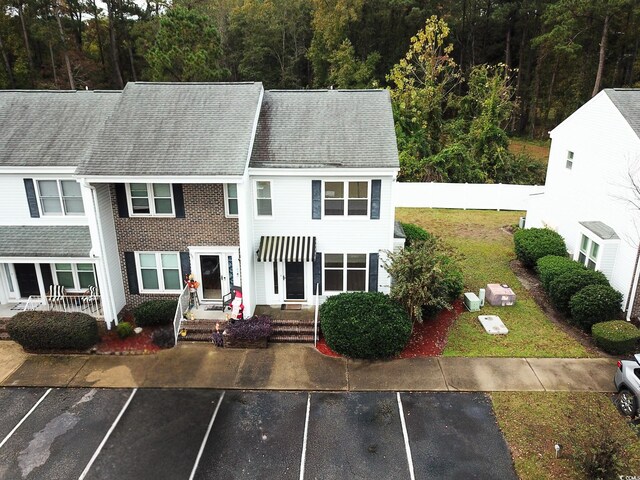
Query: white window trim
point(345, 200)
point(227, 198)
point(158, 272)
point(63, 212)
point(344, 272)
point(587, 255)
point(152, 205)
point(255, 199)
point(76, 278)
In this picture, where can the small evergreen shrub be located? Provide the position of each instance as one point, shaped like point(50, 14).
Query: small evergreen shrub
point(254, 328)
point(155, 312)
point(569, 283)
point(532, 244)
point(595, 304)
point(617, 337)
point(53, 330)
point(163, 337)
point(365, 325)
point(124, 329)
point(414, 233)
point(551, 267)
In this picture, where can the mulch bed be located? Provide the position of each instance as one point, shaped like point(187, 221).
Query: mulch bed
point(112, 344)
point(428, 338)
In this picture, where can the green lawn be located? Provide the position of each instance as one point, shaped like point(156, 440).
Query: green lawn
point(487, 249)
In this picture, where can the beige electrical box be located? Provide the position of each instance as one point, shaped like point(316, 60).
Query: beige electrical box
point(500, 295)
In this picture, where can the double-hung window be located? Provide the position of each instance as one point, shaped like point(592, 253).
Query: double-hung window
point(569, 163)
point(159, 271)
point(150, 199)
point(231, 199)
point(588, 255)
point(60, 197)
point(349, 197)
point(263, 199)
point(75, 276)
point(345, 272)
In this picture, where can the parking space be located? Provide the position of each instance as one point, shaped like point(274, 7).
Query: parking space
point(210, 434)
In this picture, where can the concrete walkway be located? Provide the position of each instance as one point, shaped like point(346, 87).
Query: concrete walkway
point(300, 367)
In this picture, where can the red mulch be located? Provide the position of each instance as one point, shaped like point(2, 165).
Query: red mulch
point(111, 343)
point(427, 340)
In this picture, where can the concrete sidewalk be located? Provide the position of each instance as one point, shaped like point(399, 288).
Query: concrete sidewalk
point(300, 367)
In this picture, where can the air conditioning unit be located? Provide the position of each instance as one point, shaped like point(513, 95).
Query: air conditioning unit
point(472, 302)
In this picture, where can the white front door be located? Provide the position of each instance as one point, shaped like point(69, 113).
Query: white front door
point(217, 271)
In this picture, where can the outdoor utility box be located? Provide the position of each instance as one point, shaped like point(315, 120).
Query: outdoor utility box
point(493, 325)
point(472, 302)
point(500, 295)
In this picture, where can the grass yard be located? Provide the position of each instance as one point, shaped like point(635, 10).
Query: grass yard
point(487, 249)
point(536, 149)
point(533, 422)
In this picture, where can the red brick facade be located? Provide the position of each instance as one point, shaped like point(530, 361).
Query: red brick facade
point(204, 224)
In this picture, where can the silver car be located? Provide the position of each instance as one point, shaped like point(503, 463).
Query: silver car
point(627, 382)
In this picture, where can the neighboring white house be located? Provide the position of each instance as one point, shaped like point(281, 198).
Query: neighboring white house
point(595, 154)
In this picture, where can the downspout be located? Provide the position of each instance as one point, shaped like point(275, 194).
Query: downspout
point(634, 288)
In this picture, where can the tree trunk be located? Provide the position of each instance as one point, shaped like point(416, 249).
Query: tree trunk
point(65, 51)
point(507, 49)
point(98, 36)
point(133, 66)
point(53, 66)
point(603, 51)
point(113, 48)
point(25, 37)
point(7, 65)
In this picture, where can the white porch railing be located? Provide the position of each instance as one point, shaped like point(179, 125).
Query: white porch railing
point(89, 304)
point(182, 307)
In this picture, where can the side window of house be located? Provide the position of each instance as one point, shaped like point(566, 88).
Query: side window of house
point(231, 199)
point(349, 197)
point(569, 163)
point(159, 271)
point(60, 197)
point(150, 199)
point(589, 250)
point(345, 272)
point(75, 276)
point(263, 198)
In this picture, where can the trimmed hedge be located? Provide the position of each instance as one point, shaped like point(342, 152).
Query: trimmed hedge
point(616, 337)
point(569, 283)
point(414, 233)
point(595, 304)
point(365, 325)
point(551, 267)
point(532, 244)
point(155, 312)
point(53, 330)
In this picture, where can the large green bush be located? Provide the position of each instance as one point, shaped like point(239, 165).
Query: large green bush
point(534, 243)
point(551, 267)
point(414, 233)
point(595, 304)
point(155, 312)
point(616, 337)
point(53, 330)
point(364, 325)
point(569, 283)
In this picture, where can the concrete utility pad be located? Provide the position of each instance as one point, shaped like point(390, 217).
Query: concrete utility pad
point(46, 371)
point(593, 374)
point(489, 374)
point(394, 375)
point(493, 325)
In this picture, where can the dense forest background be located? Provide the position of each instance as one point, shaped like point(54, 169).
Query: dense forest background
point(458, 70)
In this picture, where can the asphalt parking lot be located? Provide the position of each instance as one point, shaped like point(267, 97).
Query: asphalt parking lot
point(68, 433)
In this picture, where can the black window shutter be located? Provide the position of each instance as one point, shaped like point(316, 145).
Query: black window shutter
point(178, 199)
point(316, 201)
point(32, 200)
point(375, 199)
point(185, 264)
point(373, 272)
point(121, 200)
point(317, 273)
point(132, 276)
point(47, 276)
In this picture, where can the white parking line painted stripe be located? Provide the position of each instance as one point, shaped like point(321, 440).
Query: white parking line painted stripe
point(206, 437)
point(303, 458)
point(106, 437)
point(406, 438)
point(6, 439)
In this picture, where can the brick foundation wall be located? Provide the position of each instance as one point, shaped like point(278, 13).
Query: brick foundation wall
point(204, 224)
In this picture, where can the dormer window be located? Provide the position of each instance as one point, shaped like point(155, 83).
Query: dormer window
point(569, 163)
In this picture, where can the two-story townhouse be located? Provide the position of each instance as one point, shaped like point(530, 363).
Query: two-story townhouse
point(45, 213)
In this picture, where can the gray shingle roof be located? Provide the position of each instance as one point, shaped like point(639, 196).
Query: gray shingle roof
point(177, 129)
point(627, 101)
point(44, 241)
point(50, 128)
point(601, 229)
point(324, 129)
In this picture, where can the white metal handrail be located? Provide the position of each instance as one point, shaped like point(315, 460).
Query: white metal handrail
point(89, 304)
point(182, 307)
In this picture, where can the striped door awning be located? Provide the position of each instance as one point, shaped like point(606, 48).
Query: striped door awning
point(287, 249)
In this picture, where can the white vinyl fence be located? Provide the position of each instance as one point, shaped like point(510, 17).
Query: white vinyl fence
point(472, 196)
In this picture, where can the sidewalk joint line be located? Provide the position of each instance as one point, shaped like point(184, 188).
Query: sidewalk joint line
point(106, 437)
point(536, 375)
point(240, 367)
point(405, 434)
point(303, 457)
point(10, 434)
point(346, 369)
point(206, 438)
point(444, 378)
point(77, 372)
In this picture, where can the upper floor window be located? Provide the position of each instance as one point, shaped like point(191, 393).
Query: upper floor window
point(150, 199)
point(345, 272)
point(263, 198)
point(569, 163)
point(349, 197)
point(231, 199)
point(588, 255)
point(75, 276)
point(60, 197)
point(159, 271)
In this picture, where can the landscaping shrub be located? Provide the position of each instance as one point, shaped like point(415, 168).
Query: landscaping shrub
point(551, 267)
point(414, 233)
point(163, 337)
point(217, 339)
point(595, 304)
point(124, 329)
point(532, 244)
point(365, 325)
point(53, 330)
point(254, 328)
point(569, 283)
point(155, 312)
point(617, 337)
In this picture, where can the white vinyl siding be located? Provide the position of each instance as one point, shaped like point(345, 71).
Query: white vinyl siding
point(150, 199)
